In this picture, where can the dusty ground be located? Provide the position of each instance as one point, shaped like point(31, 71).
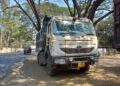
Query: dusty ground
point(30, 73)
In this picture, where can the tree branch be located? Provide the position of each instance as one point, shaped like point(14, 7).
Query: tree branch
point(27, 15)
point(36, 14)
point(93, 9)
point(39, 2)
point(95, 23)
point(87, 7)
point(66, 2)
point(10, 8)
point(77, 7)
point(74, 11)
point(106, 9)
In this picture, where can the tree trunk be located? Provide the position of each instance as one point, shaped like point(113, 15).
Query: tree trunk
point(87, 7)
point(66, 2)
point(93, 9)
point(77, 7)
point(95, 23)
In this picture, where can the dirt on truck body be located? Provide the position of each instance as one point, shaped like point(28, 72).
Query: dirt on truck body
point(69, 43)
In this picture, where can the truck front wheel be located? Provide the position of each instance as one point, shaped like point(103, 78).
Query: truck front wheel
point(40, 56)
point(85, 69)
point(50, 69)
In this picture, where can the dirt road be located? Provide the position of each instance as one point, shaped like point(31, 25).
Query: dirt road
point(30, 73)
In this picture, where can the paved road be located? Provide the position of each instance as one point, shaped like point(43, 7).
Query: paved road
point(30, 73)
point(8, 61)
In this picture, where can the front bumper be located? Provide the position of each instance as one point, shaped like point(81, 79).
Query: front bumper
point(76, 62)
point(72, 62)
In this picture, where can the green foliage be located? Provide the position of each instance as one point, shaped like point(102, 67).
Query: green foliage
point(15, 33)
point(17, 28)
point(105, 32)
point(53, 9)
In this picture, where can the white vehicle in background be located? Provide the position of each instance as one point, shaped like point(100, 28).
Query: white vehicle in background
point(67, 43)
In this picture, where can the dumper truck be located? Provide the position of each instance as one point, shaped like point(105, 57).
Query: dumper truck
point(67, 43)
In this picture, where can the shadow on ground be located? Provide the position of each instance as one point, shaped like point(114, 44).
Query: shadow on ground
point(30, 73)
point(103, 76)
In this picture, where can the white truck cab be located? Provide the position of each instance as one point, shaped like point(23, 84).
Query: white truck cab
point(71, 43)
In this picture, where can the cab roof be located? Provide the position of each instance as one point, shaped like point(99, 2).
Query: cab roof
point(68, 18)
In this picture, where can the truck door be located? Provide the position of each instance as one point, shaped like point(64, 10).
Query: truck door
point(44, 31)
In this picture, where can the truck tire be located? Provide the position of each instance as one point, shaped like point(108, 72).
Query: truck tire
point(38, 58)
point(39, 61)
point(85, 69)
point(50, 70)
point(118, 49)
point(25, 52)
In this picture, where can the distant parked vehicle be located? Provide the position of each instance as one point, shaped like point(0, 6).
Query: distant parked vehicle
point(27, 50)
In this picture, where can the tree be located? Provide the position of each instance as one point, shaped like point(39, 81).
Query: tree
point(15, 33)
point(89, 8)
point(36, 8)
point(4, 4)
point(105, 32)
point(53, 9)
point(15, 30)
point(36, 11)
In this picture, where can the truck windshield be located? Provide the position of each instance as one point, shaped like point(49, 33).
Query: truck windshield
point(70, 27)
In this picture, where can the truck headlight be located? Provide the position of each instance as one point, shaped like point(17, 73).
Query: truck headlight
point(59, 61)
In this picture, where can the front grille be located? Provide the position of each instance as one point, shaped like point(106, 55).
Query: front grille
point(77, 50)
point(81, 59)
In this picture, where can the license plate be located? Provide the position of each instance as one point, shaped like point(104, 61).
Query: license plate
point(81, 64)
